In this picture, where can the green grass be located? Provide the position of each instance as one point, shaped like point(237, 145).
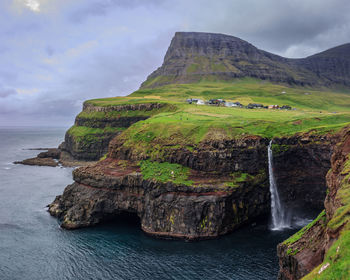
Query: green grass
point(250, 90)
point(82, 131)
point(237, 178)
point(295, 237)
point(85, 136)
point(338, 255)
point(165, 172)
point(337, 258)
point(277, 149)
point(180, 124)
point(193, 68)
point(98, 115)
point(342, 214)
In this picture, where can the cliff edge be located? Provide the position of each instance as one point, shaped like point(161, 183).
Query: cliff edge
point(321, 250)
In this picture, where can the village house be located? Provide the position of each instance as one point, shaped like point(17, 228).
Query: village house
point(217, 102)
point(286, 107)
point(254, 106)
point(192, 100)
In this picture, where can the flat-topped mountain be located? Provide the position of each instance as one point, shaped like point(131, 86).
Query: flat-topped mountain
point(196, 56)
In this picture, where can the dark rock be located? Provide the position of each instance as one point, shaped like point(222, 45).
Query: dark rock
point(38, 161)
point(300, 167)
point(300, 257)
point(193, 56)
point(165, 210)
point(88, 150)
point(94, 149)
point(248, 154)
point(51, 153)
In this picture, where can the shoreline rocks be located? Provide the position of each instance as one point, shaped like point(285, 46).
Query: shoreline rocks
point(53, 157)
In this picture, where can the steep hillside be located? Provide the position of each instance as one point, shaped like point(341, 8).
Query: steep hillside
point(321, 249)
point(332, 66)
point(194, 56)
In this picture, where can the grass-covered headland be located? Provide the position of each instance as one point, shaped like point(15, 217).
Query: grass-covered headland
point(180, 124)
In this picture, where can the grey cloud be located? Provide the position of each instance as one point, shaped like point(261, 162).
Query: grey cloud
point(103, 7)
point(83, 49)
point(276, 25)
point(49, 50)
point(5, 92)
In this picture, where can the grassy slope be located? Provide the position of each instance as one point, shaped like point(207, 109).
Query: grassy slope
point(337, 259)
point(189, 124)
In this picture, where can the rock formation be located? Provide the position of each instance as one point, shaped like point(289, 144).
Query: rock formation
point(166, 210)
point(209, 207)
point(321, 247)
point(195, 56)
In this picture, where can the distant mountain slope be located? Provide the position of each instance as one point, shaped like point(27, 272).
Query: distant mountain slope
point(331, 66)
point(194, 56)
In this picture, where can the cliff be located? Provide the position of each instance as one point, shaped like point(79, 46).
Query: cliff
point(96, 126)
point(203, 193)
point(194, 56)
point(321, 249)
point(165, 209)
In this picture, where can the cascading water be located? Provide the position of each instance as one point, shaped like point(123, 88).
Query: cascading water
point(279, 218)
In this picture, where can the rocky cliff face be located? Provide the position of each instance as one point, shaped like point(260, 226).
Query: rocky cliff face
point(246, 155)
point(209, 207)
point(320, 249)
point(96, 126)
point(300, 167)
point(165, 209)
point(193, 56)
point(332, 66)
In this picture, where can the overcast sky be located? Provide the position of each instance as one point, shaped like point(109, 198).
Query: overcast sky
point(55, 54)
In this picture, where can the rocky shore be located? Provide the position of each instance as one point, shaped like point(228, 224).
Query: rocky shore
point(54, 157)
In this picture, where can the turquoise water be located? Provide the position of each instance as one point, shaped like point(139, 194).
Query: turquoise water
point(33, 246)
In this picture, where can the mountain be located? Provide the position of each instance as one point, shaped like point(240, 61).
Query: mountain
point(196, 56)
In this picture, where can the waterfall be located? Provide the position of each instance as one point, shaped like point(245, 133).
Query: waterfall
point(279, 218)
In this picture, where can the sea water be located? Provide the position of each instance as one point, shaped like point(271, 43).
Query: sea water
point(33, 246)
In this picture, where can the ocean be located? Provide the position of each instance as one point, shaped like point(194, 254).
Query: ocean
point(33, 246)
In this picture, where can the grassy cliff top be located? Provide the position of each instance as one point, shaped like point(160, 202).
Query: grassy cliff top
point(316, 110)
point(242, 90)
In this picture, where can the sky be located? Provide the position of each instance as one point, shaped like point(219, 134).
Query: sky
point(55, 54)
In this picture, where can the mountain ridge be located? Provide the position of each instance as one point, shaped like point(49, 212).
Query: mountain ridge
point(194, 56)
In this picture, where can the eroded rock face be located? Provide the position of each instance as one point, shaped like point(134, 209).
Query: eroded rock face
point(165, 210)
point(207, 209)
point(295, 263)
point(93, 147)
point(87, 107)
point(299, 257)
point(300, 167)
point(301, 163)
point(248, 155)
point(193, 56)
point(88, 150)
